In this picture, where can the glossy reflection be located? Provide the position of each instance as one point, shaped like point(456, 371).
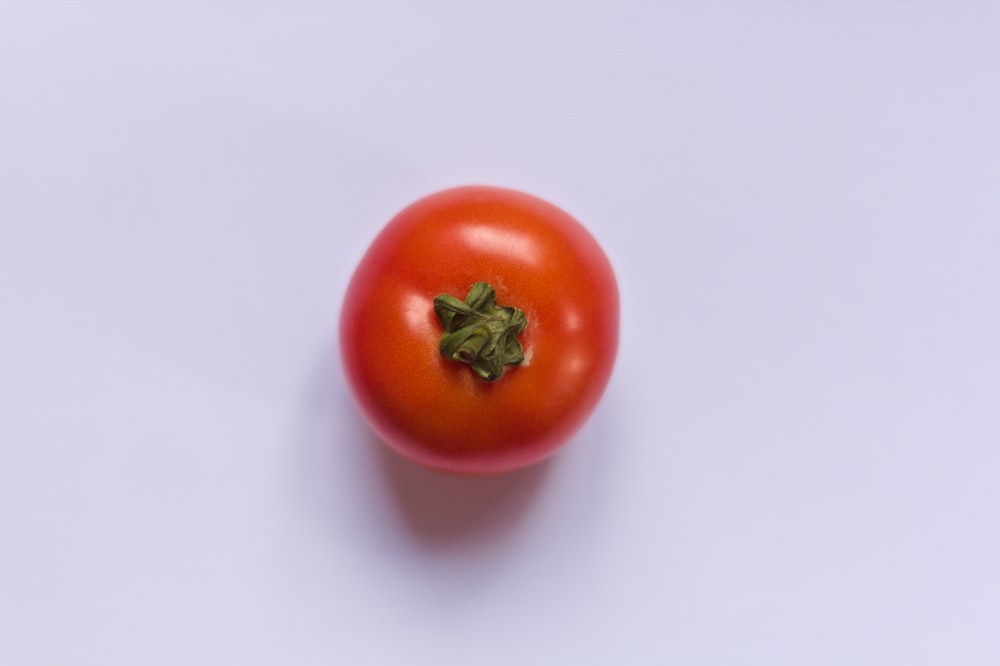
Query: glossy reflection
point(415, 309)
point(508, 243)
point(572, 319)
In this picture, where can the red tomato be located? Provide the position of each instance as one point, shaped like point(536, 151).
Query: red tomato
point(482, 410)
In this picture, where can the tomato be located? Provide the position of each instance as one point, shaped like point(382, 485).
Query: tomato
point(527, 304)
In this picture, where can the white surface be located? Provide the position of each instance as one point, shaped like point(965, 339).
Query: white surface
point(796, 461)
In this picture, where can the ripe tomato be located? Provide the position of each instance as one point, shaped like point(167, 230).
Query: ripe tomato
point(528, 306)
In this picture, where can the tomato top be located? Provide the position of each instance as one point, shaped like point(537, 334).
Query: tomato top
point(539, 260)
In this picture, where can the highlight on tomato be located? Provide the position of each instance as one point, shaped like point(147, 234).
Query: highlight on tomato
point(479, 330)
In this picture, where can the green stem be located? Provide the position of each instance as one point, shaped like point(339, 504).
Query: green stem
point(479, 332)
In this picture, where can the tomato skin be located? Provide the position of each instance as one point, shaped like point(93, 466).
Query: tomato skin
point(435, 411)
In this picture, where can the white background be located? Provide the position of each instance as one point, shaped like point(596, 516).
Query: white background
point(796, 461)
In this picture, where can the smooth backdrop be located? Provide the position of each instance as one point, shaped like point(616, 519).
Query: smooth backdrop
point(796, 461)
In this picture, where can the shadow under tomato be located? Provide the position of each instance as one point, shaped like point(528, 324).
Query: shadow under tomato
point(441, 509)
point(362, 487)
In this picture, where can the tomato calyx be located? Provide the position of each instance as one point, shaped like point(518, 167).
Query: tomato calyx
point(479, 332)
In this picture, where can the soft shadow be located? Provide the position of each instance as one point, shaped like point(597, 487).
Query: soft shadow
point(366, 491)
point(442, 510)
